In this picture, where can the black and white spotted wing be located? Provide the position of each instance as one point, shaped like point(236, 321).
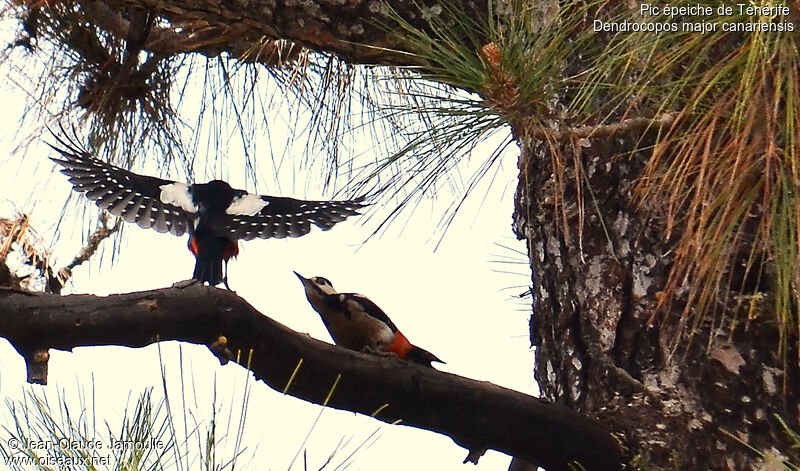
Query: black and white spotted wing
point(135, 198)
point(280, 217)
point(355, 304)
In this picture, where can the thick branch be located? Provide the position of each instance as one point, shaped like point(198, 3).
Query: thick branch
point(354, 30)
point(477, 415)
point(198, 36)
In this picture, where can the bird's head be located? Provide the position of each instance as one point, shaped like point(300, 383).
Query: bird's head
point(316, 285)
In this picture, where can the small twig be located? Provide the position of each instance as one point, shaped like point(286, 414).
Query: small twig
point(12, 230)
point(606, 130)
point(100, 234)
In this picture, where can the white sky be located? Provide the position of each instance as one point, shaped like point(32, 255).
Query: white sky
point(452, 301)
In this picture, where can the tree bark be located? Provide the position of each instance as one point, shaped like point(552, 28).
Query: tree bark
point(476, 415)
point(359, 31)
point(597, 274)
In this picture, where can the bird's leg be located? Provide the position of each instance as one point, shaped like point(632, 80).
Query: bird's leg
point(375, 351)
point(225, 278)
point(368, 349)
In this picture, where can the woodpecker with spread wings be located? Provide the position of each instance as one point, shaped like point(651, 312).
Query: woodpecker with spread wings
point(215, 215)
point(357, 323)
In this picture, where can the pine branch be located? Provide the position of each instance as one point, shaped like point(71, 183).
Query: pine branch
point(606, 130)
point(356, 31)
point(197, 36)
point(475, 414)
point(100, 234)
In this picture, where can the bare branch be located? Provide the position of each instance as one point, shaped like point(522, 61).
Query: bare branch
point(606, 130)
point(100, 234)
point(476, 415)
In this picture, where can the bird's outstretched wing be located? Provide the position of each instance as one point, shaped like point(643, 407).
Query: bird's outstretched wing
point(148, 201)
point(250, 216)
point(165, 205)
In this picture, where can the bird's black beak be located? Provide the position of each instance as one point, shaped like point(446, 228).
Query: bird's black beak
point(308, 285)
point(299, 276)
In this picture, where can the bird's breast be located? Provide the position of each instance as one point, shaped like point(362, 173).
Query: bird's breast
point(357, 331)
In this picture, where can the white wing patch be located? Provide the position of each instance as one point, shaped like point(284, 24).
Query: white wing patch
point(178, 194)
point(246, 205)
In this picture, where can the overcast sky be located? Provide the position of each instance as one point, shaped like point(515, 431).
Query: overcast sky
point(454, 301)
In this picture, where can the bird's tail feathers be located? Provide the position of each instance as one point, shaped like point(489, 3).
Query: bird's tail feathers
point(401, 347)
point(208, 269)
point(421, 356)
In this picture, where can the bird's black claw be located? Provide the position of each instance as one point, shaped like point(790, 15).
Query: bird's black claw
point(372, 351)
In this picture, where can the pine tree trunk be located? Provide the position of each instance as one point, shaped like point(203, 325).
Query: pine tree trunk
point(600, 346)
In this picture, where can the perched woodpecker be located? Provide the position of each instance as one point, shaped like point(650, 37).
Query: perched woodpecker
point(357, 323)
point(215, 215)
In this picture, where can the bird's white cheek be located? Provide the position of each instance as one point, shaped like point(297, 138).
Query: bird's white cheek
point(177, 194)
point(247, 205)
